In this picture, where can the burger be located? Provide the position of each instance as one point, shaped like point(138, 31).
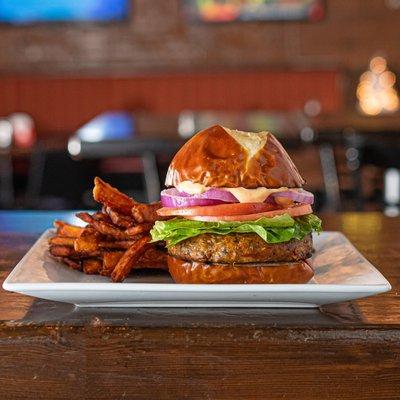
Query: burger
point(234, 211)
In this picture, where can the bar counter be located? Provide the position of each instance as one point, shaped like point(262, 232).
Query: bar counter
point(350, 350)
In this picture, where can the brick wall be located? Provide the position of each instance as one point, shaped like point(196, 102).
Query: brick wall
point(157, 39)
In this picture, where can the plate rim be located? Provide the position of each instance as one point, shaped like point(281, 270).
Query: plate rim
point(198, 288)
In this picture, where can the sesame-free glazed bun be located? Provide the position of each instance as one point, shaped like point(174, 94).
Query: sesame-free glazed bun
point(222, 157)
point(197, 272)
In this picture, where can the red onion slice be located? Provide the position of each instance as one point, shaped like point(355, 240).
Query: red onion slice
point(218, 194)
point(299, 195)
point(210, 194)
point(173, 198)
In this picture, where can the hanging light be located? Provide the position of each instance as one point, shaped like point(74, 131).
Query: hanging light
point(376, 92)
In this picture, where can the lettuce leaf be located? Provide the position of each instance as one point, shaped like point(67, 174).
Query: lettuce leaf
point(281, 228)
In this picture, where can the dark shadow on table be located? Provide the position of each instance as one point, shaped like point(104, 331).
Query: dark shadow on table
point(44, 312)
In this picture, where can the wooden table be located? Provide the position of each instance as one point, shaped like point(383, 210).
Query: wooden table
point(350, 350)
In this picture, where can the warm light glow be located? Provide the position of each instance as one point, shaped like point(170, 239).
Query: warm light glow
point(378, 65)
point(387, 79)
point(371, 106)
point(368, 77)
point(376, 92)
point(392, 103)
point(363, 90)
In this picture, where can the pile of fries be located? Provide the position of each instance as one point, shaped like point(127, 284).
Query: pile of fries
point(115, 240)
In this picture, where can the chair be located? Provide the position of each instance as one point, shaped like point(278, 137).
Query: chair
point(56, 181)
point(6, 180)
point(380, 149)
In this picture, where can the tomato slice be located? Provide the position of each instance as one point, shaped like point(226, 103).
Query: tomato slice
point(220, 209)
point(295, 211)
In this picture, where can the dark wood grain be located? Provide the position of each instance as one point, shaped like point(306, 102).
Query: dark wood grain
point(350, 350)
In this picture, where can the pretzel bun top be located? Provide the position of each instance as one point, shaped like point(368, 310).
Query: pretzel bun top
point(222, 157)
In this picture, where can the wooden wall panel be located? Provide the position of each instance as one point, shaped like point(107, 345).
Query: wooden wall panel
point(64, 74)
point(61, 104)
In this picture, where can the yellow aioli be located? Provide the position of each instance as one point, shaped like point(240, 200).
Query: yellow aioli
point(243, 195)
point(191, 188)
point(257, 195)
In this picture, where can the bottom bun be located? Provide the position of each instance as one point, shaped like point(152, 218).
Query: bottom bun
point(196, 272)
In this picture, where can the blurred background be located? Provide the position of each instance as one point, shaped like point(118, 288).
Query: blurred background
point(114, 87)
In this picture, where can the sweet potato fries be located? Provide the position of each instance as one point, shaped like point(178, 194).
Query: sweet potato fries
point(115, 240)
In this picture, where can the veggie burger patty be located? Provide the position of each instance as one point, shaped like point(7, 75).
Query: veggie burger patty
point(240, 248)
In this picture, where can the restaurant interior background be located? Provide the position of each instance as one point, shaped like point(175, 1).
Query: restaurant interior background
point(113, 90)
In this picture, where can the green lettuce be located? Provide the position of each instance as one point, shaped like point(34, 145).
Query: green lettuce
point(281, 228)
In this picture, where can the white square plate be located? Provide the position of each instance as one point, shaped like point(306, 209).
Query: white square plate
point(341, 273)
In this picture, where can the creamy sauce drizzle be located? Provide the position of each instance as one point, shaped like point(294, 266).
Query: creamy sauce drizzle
point(243, 195)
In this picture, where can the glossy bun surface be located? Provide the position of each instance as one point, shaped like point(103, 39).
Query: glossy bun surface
point(222, 157)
